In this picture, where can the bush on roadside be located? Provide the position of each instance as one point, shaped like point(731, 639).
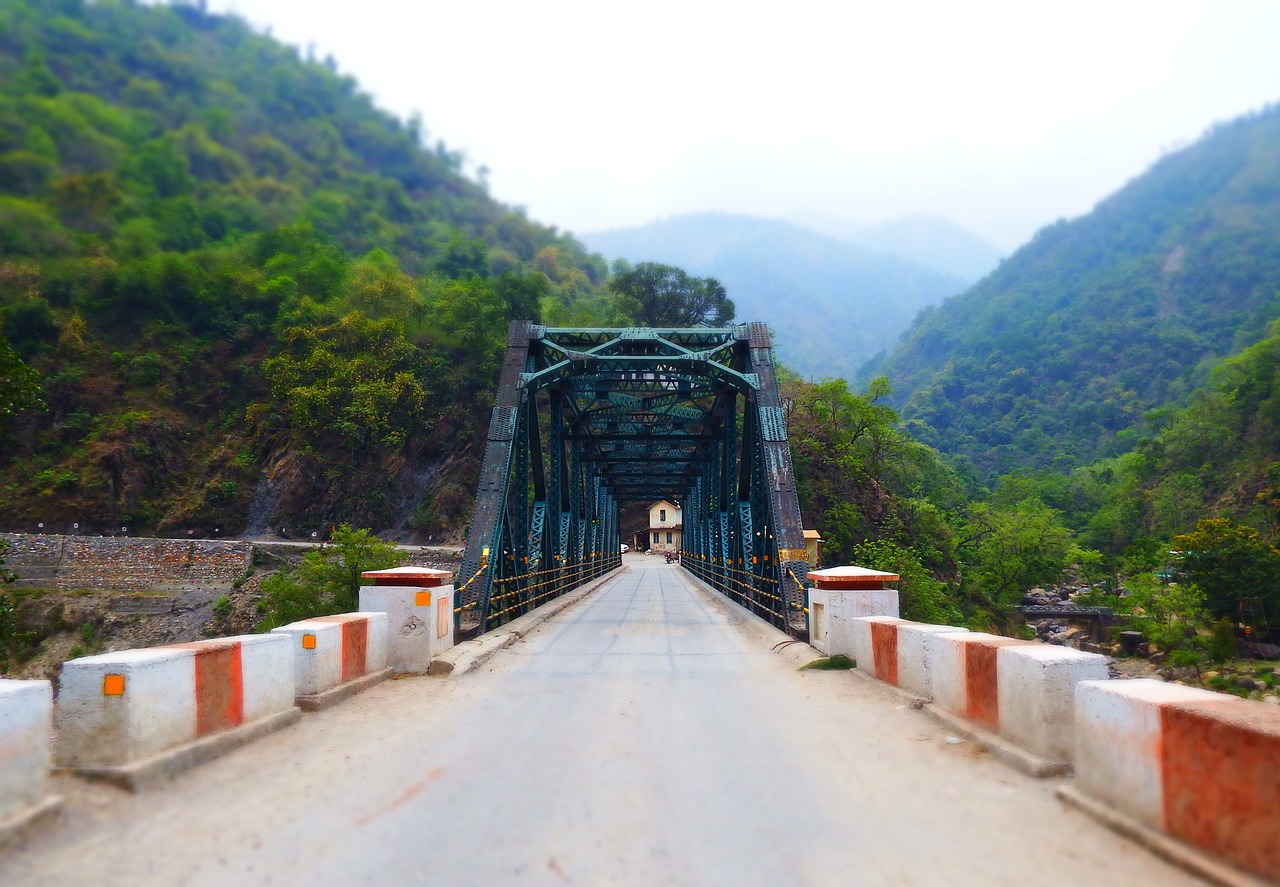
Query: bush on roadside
point(328, 579)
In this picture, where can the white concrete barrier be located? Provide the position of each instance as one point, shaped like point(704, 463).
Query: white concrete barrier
point(1203, 767)
point(135, 716)
point(335, 656)
point(1020, 690)
point(965, 679)
point(915, 655)
point(1036, 695)
point(894, 650)
point(842, 594)
point(26, 728)
point(419, 608)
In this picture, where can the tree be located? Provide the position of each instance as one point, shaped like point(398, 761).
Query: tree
point(1013, 549)
point(7, 576)
point(1169, 616)
point(328, 579)
point(523, 294)
point(15, 642)
point(19, 385)
point(922, 597)
point(357, 381)
point(664, 296)
point(1229, 561)
point(462, 258)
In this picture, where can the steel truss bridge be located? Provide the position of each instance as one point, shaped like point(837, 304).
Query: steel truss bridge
point(588, 419)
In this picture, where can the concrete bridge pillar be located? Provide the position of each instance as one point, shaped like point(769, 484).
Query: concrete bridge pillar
point(842, 594)
point(418, 602)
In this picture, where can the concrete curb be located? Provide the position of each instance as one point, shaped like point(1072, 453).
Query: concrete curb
point(168, 764)
point(796, 652)
point(1169, 849)
point(999, 747)
point(15, 827)
point(470, 655)
point(313, 702)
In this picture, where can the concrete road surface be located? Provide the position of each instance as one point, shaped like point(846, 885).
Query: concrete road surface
point(641, 737)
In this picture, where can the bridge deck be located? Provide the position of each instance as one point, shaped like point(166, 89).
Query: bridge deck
point(640, 737)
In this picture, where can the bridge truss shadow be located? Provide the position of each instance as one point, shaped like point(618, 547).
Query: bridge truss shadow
point(588, 419)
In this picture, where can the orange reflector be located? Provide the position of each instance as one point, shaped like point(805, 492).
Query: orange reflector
point(113, 685)
point(422, 599)
point(308, 642)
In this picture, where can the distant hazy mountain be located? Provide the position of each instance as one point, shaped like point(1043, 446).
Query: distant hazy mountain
point(1056, 358)
point(831, 305)
point(933, 242)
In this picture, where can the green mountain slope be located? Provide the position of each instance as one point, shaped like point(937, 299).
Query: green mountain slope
point(254, 297)
point(1217, 457)
point(830, 304)
point(1058, 353)
point(256, 302)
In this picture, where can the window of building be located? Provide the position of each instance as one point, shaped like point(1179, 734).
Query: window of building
point(655, 538)
point(668, 537)
point(662, 515)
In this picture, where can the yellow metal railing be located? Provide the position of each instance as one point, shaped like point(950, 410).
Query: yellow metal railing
point(560, 579)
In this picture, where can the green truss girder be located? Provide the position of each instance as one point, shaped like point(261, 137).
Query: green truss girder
point(586, 419)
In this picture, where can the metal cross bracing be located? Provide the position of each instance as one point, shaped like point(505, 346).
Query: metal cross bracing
point(587, 419)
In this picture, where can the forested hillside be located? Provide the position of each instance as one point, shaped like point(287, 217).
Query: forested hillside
point(831, 305)
point(1217, 457)
point(1056, 357)
point(235, 295)
point(252, 296)
point(251, 300)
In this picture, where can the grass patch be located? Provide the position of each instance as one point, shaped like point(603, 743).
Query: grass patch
point(839, 662)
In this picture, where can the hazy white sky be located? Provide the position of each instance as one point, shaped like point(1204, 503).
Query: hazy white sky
point(1002, 116)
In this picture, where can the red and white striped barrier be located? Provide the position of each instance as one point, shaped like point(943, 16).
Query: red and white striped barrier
point(1022, 691)
point(894, 650)
point(874, 643)
point(1203, 767)
point(26, 725)
point(965, 680)
point(332, 652)
point(118, 711)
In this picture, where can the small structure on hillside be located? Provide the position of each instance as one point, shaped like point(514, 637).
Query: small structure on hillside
point(665, 526)
point(813, 548)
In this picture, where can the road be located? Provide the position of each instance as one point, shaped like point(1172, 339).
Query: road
point(641, 737)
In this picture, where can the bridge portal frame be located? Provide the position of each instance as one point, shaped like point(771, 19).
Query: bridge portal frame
point(586, 419)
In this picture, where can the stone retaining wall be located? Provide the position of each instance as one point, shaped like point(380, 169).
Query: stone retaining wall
point(125, 564)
